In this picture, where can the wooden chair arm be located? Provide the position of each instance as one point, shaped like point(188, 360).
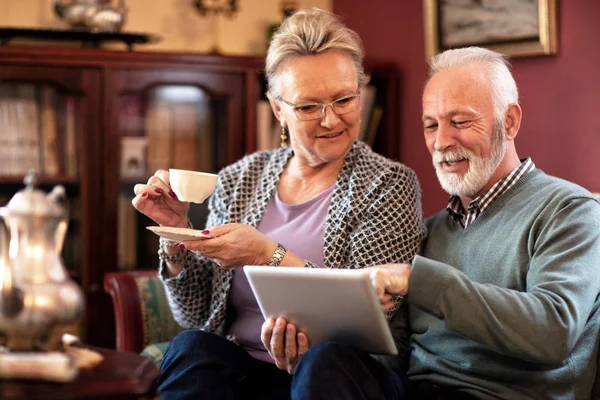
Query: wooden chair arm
point(128, 313)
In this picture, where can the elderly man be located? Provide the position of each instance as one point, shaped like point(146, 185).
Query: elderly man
point(503, 302)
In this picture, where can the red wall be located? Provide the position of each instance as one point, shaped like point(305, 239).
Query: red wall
point(560, 95)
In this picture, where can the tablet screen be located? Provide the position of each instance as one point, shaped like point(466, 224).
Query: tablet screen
point(327, 304)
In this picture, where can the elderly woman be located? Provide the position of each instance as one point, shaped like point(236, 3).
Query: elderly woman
point(325, 201)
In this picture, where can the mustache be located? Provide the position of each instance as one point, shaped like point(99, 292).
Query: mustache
point(451, 155)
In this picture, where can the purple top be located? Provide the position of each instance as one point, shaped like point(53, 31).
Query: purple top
point(301, 229)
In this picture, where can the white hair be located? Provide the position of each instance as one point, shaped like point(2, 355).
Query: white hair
point(307, 33)
point(504, 87)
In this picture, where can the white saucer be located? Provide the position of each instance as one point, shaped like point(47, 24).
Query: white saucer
point(177, 234)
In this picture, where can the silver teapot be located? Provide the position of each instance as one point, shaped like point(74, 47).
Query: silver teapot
point(92, 15)
point(38, 300)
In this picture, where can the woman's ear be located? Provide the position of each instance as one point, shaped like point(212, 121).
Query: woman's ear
point(276, 107)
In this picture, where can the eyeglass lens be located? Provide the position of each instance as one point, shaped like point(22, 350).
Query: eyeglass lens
point(316, 110)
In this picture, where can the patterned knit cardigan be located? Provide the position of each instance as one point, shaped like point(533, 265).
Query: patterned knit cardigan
point(374, 218)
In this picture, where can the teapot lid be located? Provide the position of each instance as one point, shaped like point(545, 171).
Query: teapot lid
point(35, 202)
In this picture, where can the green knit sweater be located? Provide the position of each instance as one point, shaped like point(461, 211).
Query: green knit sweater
point(509, 308)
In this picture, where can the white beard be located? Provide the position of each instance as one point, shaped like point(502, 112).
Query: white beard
point(480, 170)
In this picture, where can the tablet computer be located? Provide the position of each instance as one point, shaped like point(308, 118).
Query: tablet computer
point(326, 304)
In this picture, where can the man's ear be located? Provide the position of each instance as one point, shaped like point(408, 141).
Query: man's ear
point(512, 121)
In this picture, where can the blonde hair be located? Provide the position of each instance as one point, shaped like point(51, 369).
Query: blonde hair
point(311, 32)
point(504, 87)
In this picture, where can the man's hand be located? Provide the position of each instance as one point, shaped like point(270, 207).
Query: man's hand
point(389, 281)
point(284, 343)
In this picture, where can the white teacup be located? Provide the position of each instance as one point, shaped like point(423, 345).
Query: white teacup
point(192, 186)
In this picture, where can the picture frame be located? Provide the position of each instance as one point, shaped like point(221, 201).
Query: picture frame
point(517, 28)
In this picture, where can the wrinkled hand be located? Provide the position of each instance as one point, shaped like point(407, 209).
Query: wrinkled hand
point(156, 200)
point(234, 245)
point(390, 281)
point(284, 343)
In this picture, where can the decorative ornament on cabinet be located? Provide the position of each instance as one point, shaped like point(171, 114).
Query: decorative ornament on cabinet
point(212, 9)
point(288, 7)
point(215, 7)
point(92, 15)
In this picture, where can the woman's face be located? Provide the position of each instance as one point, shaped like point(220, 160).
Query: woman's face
point(322, 78)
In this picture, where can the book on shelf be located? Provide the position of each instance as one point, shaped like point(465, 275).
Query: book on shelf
point(70, 134)
point(29, 146)
point(39, 130)
point(19, 141)
point(58, 143)
point(50, 162)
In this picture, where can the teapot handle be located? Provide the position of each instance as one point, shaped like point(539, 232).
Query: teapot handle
point(57, 195)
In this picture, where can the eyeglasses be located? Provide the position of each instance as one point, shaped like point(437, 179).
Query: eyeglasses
point(312, 111)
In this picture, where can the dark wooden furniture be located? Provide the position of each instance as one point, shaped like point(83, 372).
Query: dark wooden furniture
point(121, 375)
point(86, 38)
point(103, 96)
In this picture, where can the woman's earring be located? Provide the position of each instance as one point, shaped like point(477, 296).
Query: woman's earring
point(283, 137)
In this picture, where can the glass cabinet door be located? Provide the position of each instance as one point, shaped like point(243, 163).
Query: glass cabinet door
point(44, 114)
point(169, 119)
point(40, 132)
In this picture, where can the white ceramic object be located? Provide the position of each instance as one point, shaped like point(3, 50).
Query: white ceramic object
point(177, 234)
point(192, 186)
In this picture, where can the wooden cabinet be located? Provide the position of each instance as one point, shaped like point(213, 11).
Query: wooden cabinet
point(115, 118)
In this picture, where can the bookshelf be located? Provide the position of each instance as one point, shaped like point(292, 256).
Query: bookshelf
point(102, 121)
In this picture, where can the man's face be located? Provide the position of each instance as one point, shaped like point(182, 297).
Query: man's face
point(466, 143)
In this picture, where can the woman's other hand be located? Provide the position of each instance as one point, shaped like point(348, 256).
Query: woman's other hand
point(284, 343)
point(390, 281)
point(234, 245)
point(156, 200)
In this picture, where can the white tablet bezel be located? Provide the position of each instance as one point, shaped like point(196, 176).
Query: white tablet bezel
point(327, 304)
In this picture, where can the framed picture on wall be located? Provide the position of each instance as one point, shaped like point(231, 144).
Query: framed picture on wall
point(517, 28)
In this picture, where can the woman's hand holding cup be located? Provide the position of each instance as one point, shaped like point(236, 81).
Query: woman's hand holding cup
point(159, 202)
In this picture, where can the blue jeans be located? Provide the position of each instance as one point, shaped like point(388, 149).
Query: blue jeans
point(333, 371)
point(202, 365)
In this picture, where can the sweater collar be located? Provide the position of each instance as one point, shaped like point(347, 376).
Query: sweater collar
point(479, 204)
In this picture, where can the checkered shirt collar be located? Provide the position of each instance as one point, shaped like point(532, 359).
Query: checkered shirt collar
point(479, 204)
